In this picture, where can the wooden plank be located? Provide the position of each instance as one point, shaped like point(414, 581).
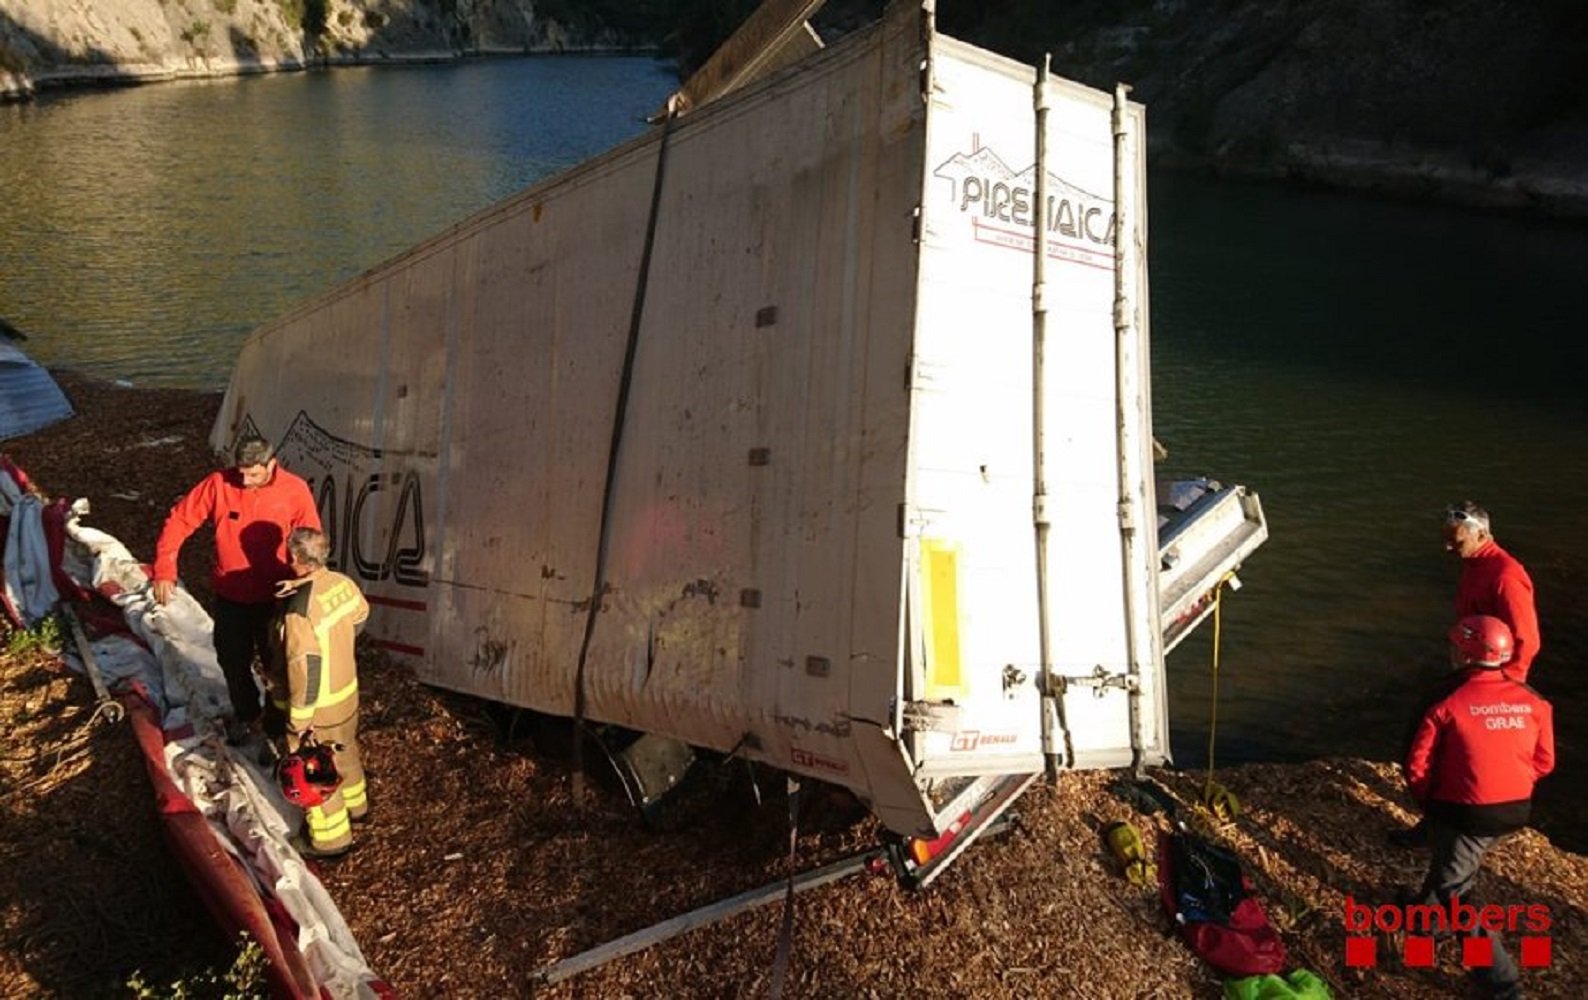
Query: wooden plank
point(774, 35)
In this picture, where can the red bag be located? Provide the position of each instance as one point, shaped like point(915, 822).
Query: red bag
point(1209, 899)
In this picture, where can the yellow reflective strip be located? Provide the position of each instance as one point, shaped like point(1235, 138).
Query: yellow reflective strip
point(280, 703)
point(353, 795)
point(322, 637)
point(302, 713)
point(327, 828)
point(341, 594)
point(940, 609)
point(337, 697)
point(336, 614)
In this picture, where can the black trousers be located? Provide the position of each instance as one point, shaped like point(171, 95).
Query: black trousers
point(242, 632)
point(1452, 871)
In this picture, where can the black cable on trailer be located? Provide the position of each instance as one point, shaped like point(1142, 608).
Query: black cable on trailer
point(598, 589)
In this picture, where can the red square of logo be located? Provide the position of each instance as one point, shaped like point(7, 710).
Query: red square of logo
point(1535, 952)
point(1362, 952)
point(1477, 952)
point(1418, 952)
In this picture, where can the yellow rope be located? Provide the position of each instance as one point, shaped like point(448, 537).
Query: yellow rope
point(1222, 802)
point(1213, 721)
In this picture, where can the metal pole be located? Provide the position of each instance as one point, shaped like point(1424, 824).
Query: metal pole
point(1052, 703)
point(104, 703)
point(657, 933)
point(1124, 389)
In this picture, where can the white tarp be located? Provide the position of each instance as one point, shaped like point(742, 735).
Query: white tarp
point(242, 802)
point(173, 660)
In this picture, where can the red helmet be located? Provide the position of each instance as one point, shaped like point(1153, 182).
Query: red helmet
point(1482, 641)
point(308, 775)
point(295, 783)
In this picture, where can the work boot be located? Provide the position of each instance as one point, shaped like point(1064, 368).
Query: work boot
point(298, 842)
point(239, 733)
point(1412, 836)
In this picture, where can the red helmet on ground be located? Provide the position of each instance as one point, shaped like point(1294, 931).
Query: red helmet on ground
point(1482, 641)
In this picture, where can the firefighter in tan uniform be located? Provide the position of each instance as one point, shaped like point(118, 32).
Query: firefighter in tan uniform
point(315, 683)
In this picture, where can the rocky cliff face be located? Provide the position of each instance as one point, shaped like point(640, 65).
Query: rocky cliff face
point(1484, 101)
point(49, 42)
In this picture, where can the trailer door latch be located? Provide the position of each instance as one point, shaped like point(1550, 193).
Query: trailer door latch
point(1099, 680)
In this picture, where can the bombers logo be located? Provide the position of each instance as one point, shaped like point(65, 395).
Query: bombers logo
point(392, 548)
point(1001, 205)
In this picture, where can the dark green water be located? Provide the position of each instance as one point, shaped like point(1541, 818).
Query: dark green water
point(1360, 363)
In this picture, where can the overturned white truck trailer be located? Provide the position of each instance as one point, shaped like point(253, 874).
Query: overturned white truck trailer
point(753, 434)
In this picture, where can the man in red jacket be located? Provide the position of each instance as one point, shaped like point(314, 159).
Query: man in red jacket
point(1492, 582)
point(1473, 762)
point(253, 506)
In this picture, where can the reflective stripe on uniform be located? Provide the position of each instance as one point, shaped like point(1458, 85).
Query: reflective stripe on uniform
point(353, 794)
point(338, 603)
point(337, 697)
point(323, 828)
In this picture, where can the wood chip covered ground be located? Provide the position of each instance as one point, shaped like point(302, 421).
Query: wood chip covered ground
point(478, 870)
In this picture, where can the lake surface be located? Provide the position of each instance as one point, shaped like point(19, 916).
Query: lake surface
point(145, 232)
point(1360, 363)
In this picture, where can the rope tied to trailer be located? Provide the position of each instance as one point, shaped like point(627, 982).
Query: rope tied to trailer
point(625, 381)
point(785, 934)
point(1218, 800)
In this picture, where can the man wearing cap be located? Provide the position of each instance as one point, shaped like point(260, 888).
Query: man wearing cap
point(252, 506)
point(1473, 762)
point(1492, 582)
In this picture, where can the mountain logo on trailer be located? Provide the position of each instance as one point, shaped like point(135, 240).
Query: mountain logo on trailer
point(1000, 204)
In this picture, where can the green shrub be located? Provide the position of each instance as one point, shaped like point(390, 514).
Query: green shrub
point(44, 637)
point(245, 980)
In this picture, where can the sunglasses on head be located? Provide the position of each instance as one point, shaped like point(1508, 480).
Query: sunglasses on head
point(1455, 515)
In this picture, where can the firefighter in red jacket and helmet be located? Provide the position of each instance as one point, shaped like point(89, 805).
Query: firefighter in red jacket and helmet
point(1473, 762)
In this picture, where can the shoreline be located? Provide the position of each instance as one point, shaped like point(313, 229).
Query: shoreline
point(1363, 167)
point(19, 87)
point(1371, 169)
point(132, 449)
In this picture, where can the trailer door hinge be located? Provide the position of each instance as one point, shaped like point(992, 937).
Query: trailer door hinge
point(912, 521)
point(931, 716)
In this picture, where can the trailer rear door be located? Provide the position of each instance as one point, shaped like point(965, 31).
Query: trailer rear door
point(973, 698)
